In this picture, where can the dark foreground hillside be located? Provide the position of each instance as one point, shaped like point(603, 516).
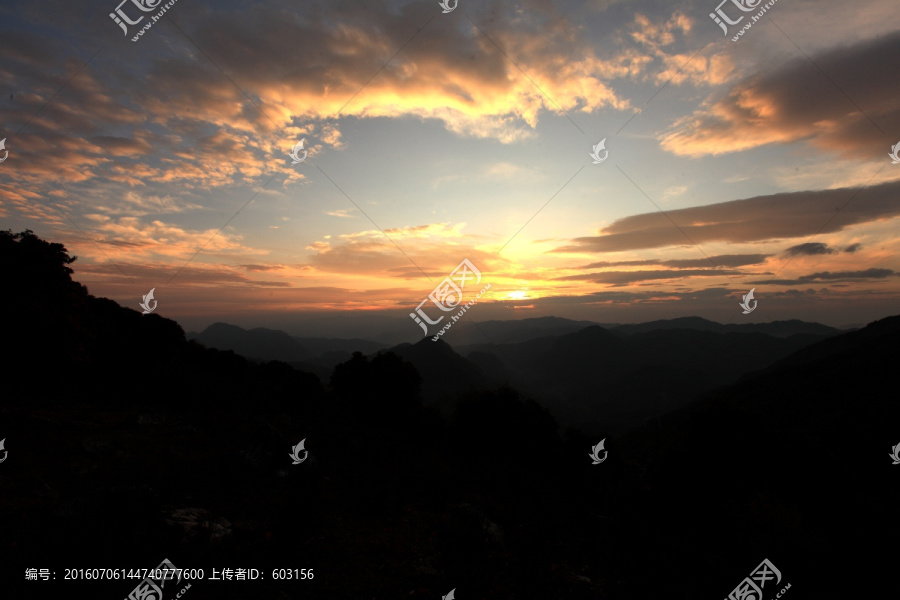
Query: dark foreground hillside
point(127, 444)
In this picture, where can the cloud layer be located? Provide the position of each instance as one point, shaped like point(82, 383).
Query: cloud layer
point(777, 216)
point(843, 101)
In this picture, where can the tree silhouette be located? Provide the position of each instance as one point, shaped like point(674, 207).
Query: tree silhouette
point(383, 390)
point(41, 304)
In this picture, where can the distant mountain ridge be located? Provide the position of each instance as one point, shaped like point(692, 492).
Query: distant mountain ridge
point(445, 374)
point(801, 444)
point(471, 333)
point(627, 373)
point(273, 344)
point(512, 331)
point(773, 328)
point(869, 339)
point(258, 343)
point(627, 378)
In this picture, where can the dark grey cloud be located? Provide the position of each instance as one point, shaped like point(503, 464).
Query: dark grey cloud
point(721, 260)
point(620, 263)
point(809, 249)
point(618, 278)
point(827, 276)
point(783, 215)
point(853, 89)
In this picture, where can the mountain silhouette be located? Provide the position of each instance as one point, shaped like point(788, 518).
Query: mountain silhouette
point(258, 343)
point(468, 332)
point(322, 346)
point(445, 374)
point(774, 328)
point(627, 373)
point(794, 457)
point(724, 448)
point(630, 378)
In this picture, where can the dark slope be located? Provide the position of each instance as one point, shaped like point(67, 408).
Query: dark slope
point(445, 374)
point(255, 344)
point(791, 463)
point(600, 379)
point(472, 332)
point(775, 328)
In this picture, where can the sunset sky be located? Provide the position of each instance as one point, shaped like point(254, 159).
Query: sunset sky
point(432, 138)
